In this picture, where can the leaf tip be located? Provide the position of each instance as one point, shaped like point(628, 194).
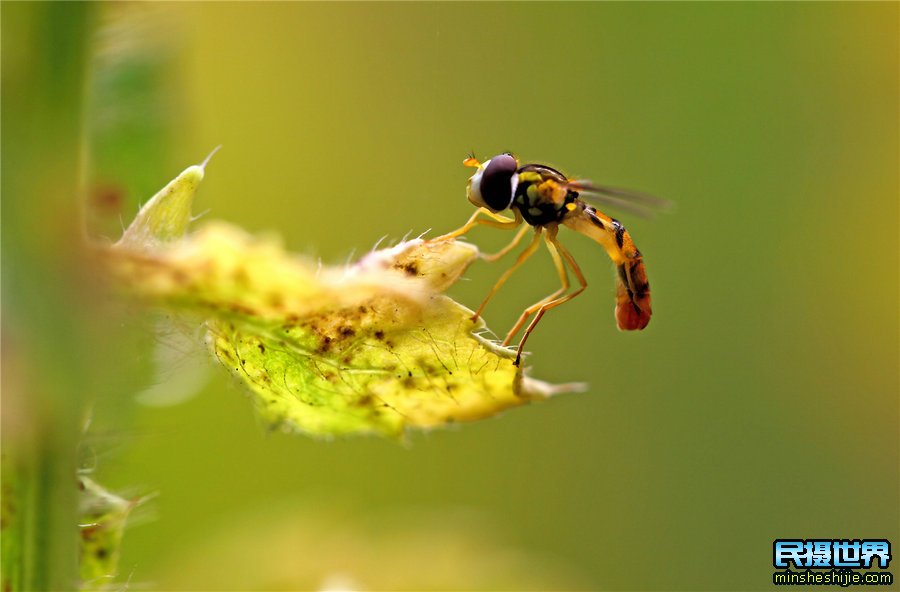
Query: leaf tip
point(165, 217)
point(206, 160)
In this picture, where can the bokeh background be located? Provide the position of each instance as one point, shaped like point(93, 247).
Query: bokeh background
point(760, 403)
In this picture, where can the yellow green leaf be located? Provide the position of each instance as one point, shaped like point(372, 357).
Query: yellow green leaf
point(166, 216)
point(374, 347)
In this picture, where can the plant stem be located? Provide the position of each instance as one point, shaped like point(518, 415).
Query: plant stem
point(49, 315)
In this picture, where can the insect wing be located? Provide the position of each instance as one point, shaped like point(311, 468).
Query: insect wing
point(634, 202)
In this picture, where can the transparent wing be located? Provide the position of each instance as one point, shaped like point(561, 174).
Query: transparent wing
point(634, 202)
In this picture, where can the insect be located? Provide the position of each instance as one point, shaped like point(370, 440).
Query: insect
point(544, 198)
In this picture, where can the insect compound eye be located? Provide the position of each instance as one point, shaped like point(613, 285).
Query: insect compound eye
point(497, 182)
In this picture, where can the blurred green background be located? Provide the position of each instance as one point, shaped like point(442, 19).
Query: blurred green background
point(761, 402)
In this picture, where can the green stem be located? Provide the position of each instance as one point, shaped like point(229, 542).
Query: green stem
point(48, 314)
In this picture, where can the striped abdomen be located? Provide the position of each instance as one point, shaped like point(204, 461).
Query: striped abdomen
point(632, 288)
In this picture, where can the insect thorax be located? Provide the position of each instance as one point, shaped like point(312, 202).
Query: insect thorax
point(540, 204)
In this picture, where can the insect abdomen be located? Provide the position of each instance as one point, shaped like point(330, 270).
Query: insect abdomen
point(633, 309)
point(632, 296)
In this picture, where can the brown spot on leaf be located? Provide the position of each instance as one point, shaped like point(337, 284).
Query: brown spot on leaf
point(241, 309)
point(409, 268)
point(326, 343)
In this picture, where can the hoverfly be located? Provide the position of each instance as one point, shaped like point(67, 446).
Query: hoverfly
point(544, 198)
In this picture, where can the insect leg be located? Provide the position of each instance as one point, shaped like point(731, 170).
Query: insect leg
point(564, 280)
point(497, 221)
point(523, 256)
point(556, 302)
point(515, 242)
